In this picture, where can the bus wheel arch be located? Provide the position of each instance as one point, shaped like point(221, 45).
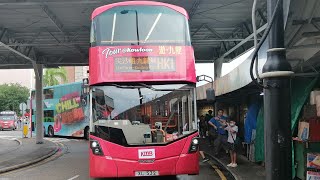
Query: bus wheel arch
point(86, 133)
point(50, 131)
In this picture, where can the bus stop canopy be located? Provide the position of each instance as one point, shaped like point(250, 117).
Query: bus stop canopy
point(56, 32)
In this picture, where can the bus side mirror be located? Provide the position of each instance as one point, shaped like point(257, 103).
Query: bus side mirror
point(210, 95)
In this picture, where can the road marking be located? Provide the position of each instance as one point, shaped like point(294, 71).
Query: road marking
point(221, 175)
point(74, 177)
point(57, 139)
point(8, 137)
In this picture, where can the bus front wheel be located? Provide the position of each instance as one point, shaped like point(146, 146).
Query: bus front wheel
point(50, 131)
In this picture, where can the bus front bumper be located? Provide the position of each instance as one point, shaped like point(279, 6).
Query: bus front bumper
point(104, 166)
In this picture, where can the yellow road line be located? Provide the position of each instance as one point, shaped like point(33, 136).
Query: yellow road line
point(221, 175)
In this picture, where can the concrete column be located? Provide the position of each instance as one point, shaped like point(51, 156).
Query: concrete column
point(39, 104)
point(217, 68)
point(216, 108)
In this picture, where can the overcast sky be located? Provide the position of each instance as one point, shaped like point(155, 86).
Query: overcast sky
point(208, 68)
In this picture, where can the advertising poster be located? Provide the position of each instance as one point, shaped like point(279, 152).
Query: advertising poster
point(313, 175)
point(313, 160)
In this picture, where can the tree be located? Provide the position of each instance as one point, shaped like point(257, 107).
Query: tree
point(11, 95)
point(53, 76)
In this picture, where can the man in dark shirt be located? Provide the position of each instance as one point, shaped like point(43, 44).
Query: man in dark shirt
point(202, 126)
point(207, 118)
point(219, 123)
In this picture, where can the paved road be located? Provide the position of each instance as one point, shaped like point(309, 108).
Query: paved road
point(72, 164)
point(6, 134)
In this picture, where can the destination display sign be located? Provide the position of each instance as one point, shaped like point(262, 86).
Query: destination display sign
point(138, 63)
point(7, 112)
point(146, 63)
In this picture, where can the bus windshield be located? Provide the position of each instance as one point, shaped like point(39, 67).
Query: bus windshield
point(6, 118)
point(168, 109)
point(140, 25)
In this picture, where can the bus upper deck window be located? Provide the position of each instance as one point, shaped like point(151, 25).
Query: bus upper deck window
point(48, 93)
point(93, 34)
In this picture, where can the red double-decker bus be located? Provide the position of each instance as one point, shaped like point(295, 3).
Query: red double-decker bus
point(142, 91)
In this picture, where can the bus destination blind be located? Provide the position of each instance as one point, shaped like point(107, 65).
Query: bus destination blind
point(146, 63)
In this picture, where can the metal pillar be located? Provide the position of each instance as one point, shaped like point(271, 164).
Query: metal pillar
point(277, 108)
point(217, 73)
point(217, 68)
point(39, 105)
point(216, 108)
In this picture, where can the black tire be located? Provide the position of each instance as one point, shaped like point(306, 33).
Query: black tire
point(44, 132)
point(86, 133)
point(50, 131)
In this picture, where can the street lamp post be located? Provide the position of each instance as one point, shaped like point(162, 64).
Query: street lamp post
point(205, 78)
point(277, 109)
point(210, 93)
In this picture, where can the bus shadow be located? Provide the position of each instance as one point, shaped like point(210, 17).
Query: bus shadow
point(69, 137)
point(141, 178)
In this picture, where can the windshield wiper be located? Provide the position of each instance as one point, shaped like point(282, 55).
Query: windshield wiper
point(155, 89)
point(142, 85)
point(127, 86)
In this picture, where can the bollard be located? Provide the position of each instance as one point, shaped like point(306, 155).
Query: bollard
point(25, 128)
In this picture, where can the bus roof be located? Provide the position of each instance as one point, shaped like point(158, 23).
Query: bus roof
point(60, 85)
point(101, 9)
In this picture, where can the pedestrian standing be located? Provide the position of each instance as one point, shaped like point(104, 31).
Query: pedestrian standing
point(19, 122)
point(208, 128)
point(202, 126)
point(233, 143)
point(219, 124)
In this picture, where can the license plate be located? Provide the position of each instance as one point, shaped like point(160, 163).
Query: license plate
point(147, 173)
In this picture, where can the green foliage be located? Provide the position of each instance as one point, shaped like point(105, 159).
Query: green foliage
point(11, 95)
point(53, 75)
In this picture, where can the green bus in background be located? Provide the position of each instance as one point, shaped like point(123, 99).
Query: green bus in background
point(65, 110)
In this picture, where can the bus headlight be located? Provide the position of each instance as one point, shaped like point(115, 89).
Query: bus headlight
point(94, 144)
point(194, 146)
point(195, 141)
point(95, 147)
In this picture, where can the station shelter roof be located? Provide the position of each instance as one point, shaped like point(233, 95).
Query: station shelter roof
point(56, 32)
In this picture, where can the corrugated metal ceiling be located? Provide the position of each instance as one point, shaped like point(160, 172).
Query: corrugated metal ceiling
point(56, 32)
